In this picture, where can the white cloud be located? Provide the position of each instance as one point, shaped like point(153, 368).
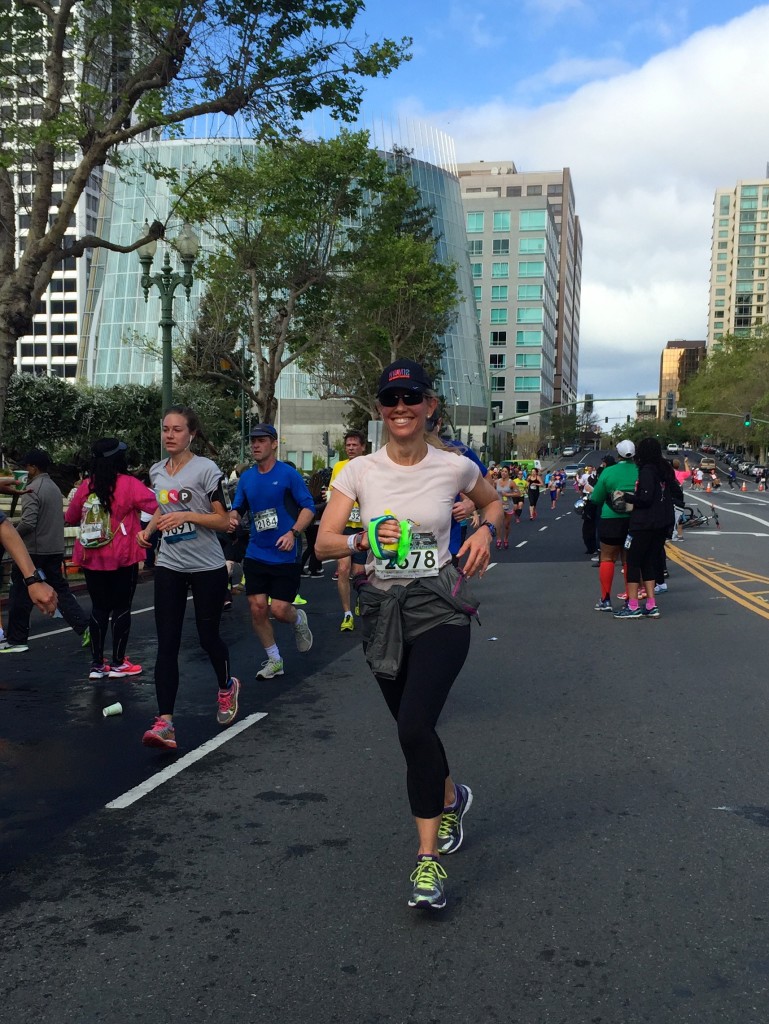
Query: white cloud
point(473, 25)
point(571, 71)
point(668, 25)
point(647, 150)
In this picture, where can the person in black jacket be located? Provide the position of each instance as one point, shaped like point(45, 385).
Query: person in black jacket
point(318, 488)
point(651, 519)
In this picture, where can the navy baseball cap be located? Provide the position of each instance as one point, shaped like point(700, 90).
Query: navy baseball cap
point(263, 430)
point(405, 374)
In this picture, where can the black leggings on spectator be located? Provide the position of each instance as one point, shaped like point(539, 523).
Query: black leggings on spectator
point(208, 590)
point(645, 556)
point(415, 698)
point(111, 592)
point(309, 555)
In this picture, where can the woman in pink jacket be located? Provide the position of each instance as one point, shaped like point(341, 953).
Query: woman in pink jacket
point(106, 506)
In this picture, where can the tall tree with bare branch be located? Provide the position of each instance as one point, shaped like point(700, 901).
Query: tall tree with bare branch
point(79, 78)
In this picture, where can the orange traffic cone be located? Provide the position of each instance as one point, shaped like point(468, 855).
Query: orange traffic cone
point(744, 486)
point(760, 485)
point(708, 489)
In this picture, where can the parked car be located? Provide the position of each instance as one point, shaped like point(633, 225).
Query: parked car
point(573, 471)
point(707, 463)
point(570, 451)
point(672, 447)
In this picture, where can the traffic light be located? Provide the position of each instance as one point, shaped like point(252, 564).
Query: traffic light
point(325, 438)
point(747, 419)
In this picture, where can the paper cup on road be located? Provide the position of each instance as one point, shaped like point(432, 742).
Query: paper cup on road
point(21, 478)
point(113, 709)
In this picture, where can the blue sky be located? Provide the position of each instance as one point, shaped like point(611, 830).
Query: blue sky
point(652, 105)
point(527, 52)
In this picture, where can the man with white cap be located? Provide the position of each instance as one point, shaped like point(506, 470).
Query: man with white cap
point(613, 522)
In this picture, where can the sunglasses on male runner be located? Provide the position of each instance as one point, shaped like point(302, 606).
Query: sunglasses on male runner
point(391, 398)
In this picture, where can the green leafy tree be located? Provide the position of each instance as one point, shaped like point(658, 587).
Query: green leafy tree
point(80, 78)
point(280, 219)
point(49, 413)
point(563, 427)
point(396, 299)
point(733, 379)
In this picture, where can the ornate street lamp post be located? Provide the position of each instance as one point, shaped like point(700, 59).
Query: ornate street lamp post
point(187, 244)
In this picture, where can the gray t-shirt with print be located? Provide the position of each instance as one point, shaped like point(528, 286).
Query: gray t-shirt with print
point(189, 548)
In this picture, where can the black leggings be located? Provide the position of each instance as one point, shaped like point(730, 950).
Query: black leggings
point(645, 555)
point(415, 699)
point(111, 592)
point(309, 556)
point(208, 591)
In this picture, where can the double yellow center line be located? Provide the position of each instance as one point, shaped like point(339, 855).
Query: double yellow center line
point(749, 589)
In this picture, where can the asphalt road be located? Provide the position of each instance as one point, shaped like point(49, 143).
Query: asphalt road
point(614, 867)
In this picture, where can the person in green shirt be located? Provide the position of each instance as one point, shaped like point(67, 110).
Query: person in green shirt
point(612, 524)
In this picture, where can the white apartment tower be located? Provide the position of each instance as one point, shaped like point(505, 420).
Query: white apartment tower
point(53, 345)
point(525, 245)
point(738, 260)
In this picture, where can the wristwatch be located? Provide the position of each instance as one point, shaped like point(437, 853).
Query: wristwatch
point(491, 526)
point(38, 576)
point(296, 533)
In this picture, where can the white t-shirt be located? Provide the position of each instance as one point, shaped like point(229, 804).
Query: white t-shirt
point(424, 493)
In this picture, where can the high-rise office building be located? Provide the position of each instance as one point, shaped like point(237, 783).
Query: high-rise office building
point(738, 261)
point(59, 321)
point(525, 245)
point(679, 361)
point(647, 407)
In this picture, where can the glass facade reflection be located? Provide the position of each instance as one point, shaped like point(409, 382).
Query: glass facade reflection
point(122, 323)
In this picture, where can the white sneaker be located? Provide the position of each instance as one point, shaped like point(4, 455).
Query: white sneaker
point(661, 588)
point(270, 668)
point(302, 632)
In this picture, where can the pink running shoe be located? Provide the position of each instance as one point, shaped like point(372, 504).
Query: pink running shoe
point(125, 669)
point(161, 734)
point(228, 703)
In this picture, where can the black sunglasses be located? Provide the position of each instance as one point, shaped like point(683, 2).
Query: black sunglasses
point(391, 398)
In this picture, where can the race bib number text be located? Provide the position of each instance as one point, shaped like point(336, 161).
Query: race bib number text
point(267, 520)
point(421, 561)
point(185, 531)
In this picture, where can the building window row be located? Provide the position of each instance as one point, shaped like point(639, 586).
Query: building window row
point(528, 220)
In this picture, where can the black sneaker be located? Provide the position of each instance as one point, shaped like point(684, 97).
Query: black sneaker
point(428, 878)
point(450, 833)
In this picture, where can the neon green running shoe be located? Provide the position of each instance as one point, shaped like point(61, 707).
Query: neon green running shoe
point(428, 878)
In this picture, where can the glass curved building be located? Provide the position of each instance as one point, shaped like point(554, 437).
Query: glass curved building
point(121, 342)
